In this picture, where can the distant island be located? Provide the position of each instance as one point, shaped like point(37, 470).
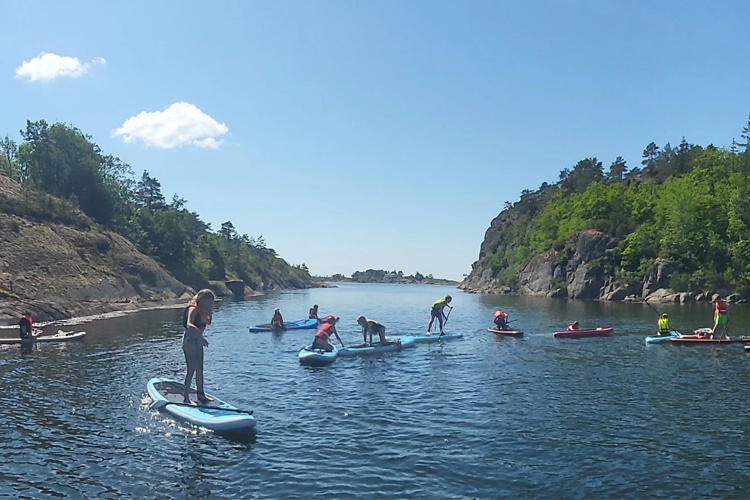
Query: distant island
point(382, 276)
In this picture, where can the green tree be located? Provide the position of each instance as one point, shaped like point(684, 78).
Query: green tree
point(148, 194)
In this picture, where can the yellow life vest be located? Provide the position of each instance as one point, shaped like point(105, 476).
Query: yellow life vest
point(663, 325)
point(439, 305)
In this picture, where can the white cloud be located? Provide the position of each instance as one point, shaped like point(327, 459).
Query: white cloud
point(99, 60)
point(47, 66)
point(179, 125)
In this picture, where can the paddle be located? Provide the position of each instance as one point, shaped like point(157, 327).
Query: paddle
point(446, 322)
point(158, 405)
point(657, 313)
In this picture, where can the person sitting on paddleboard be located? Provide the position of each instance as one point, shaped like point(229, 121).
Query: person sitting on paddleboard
point(322, 338)
point(501, 320)
point(27, 327)
point(574, 326)
point(663, 325)
point(720, 318)
point(373, 327)
point(313, 313)
point(196, 317)
point(437, 311)
point(277, 322)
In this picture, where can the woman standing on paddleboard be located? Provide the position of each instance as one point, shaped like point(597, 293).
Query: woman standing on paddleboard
point(197, 316)
point(720, 318)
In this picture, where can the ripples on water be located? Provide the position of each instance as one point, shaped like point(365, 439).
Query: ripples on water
point(480, 417)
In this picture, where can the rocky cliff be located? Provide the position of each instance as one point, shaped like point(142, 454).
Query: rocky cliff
point(584, 269)
point(59, 264)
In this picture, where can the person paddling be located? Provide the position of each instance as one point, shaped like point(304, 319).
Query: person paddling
point(663, 325)
point(277, 322)
point(437, 311)
point(501, 320)
point(313, 313)
point(572, 327)
point(26, 327)
point(322, 338)
point(195, 319)
point(720, 318)
point(373, 327)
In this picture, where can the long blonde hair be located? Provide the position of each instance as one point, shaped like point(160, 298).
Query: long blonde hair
point(203, 294)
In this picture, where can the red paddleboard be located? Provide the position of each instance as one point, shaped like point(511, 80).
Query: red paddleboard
point(707, 340)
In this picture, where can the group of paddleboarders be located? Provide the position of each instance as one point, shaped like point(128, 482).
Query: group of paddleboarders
point(720, 322)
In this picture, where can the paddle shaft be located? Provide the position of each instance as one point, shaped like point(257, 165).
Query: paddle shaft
point(446, 322)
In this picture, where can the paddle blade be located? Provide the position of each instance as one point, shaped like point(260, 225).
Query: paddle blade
point(158, 405)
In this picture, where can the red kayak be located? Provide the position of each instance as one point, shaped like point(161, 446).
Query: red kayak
point(575, 334)
point(514, 333)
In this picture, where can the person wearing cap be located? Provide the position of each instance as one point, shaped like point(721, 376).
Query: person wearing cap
point(372, 327)
point(574, 326)
point(322, 338)
point(277, 322)
point(664, 325)
point(313, 313)
point(437, 311)
point(26, 325)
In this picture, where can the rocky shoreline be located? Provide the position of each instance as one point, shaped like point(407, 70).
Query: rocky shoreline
point(584, 271)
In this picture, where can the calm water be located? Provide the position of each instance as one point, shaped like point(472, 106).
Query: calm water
point(480, 417)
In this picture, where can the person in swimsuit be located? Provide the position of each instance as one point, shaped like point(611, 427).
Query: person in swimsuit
point(437, 311)
point(313, 313)
point(277, 322)
point(196, 317)
point(572, 327)
point(720, 318)
point(372, 327)
point(322, 338)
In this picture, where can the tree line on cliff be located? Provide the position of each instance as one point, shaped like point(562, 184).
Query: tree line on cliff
point(687, 204)
point(62, 161)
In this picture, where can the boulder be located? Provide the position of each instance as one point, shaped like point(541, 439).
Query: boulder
point(685, 297)
point(621, 292)
point(733, 298)
point(237, 287)
point(657, 277)
point(537, 276)
point(632, 298)
point(557, 293)
point(586, 282)
point(663, 295)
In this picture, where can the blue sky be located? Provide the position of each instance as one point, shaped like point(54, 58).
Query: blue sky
point(387, 134)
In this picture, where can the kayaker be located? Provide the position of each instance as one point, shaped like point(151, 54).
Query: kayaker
point(501, 320)
point(437, 311)
point(26, 327)
point(277, 322)
point(720, 318)
point(322, 338)
point(313, 313)
point(574, 326)
point(373, 327)
point(663, 325)
point(197, 316)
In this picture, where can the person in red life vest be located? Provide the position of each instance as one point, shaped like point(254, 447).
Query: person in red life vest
point(26, 325)
point(322, 338)
point(501, 320)
point(277, 322)
point(196, 317)
point(720, 318)
point(574, 326)
point(313, 313)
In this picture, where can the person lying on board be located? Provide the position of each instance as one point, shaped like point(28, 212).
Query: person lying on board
point(313, 313)
point(322, 338)
point(501, 320)
point(438, 311)
point(572, 327)
point(26, 327)
point(277, 322)
point(663, 325)
point(372, 327)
